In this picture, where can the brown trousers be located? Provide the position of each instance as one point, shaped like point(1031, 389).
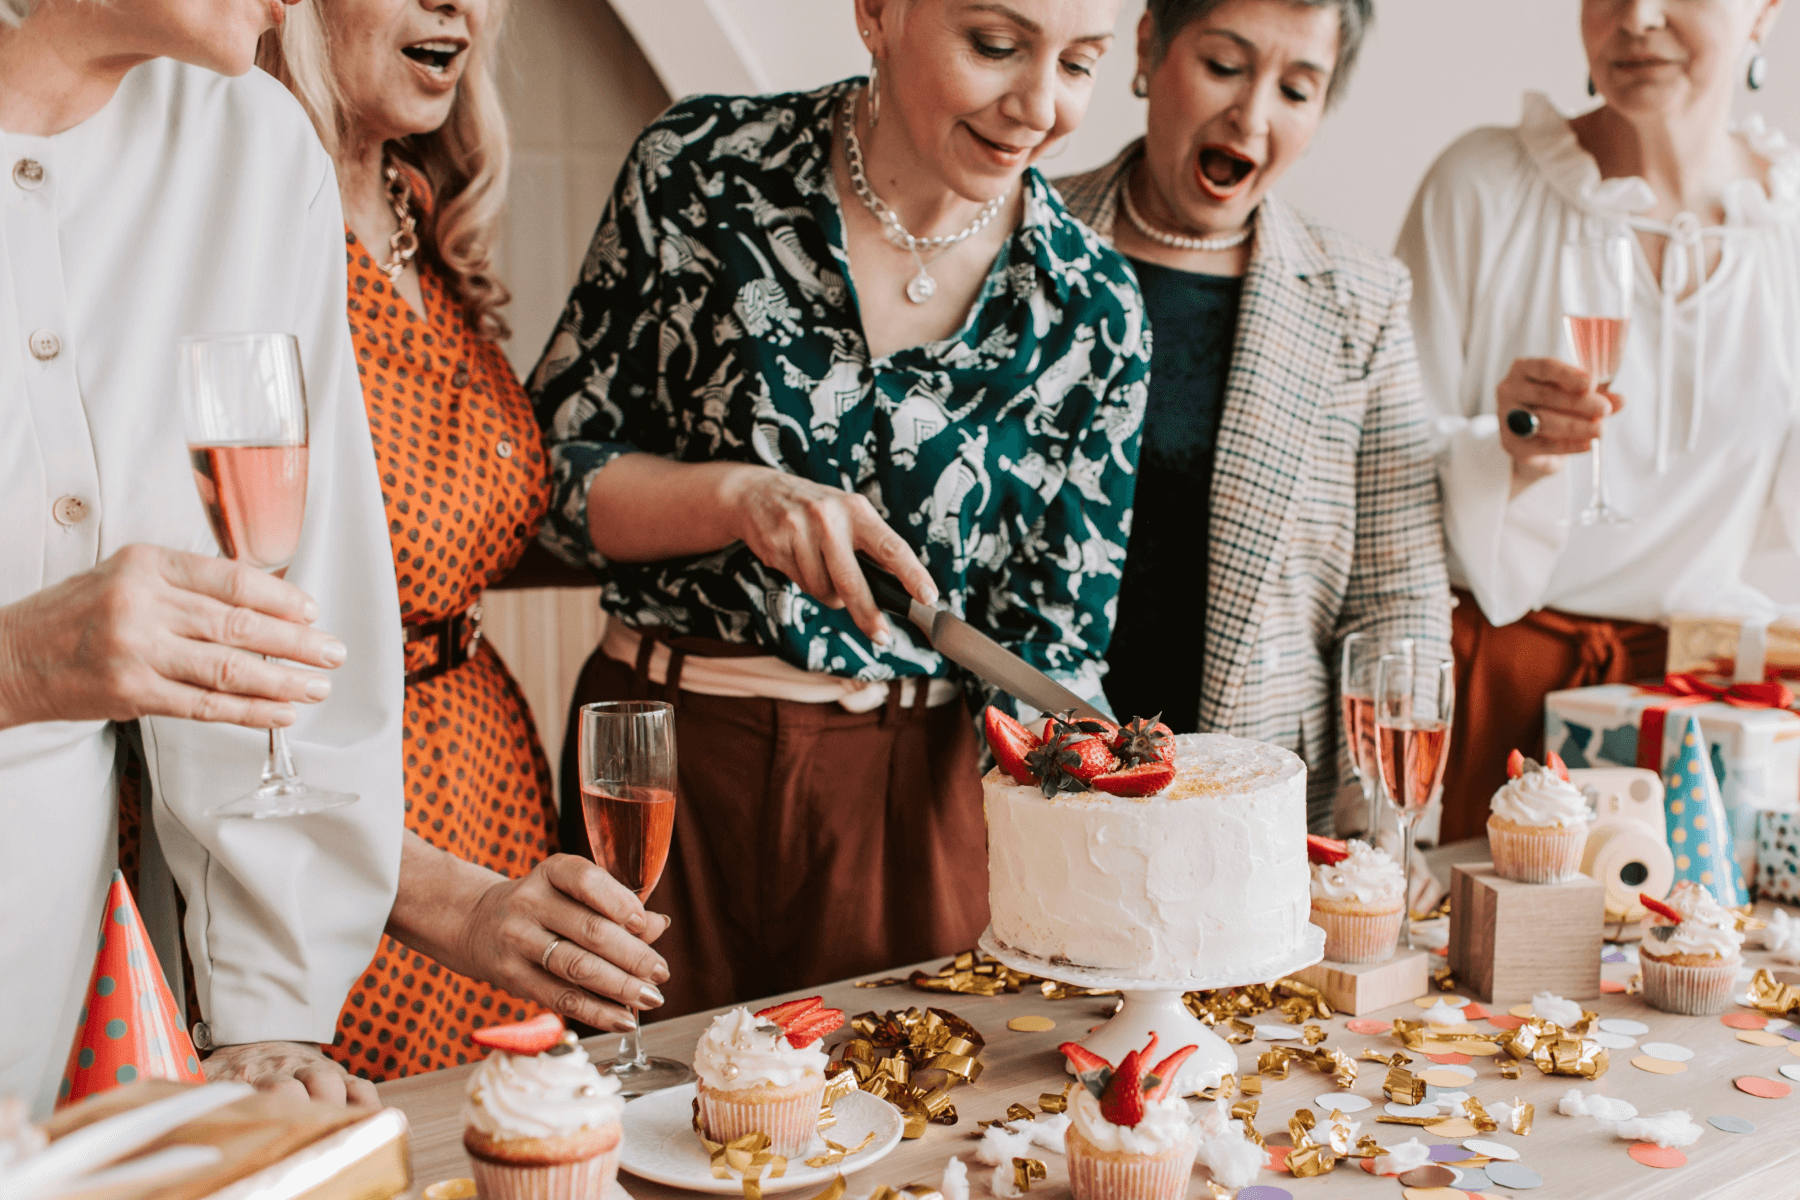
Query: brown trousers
point(1503, 674)
point(811, 844)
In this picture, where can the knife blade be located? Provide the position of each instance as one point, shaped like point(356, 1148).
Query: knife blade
point(962, 643)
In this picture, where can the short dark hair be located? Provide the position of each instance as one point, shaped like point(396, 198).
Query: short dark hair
point(1169, 17)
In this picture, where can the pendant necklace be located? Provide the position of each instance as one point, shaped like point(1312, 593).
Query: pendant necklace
point(922, 287)
point(1175, 241)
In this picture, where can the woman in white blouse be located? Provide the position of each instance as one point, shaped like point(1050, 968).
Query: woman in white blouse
point(1700, 447)
point(143, 199)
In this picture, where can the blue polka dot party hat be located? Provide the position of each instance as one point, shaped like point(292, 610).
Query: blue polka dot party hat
point(1699, 833)
point(130, 1028)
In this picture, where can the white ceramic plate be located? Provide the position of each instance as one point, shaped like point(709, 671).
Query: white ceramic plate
point(661, 1145)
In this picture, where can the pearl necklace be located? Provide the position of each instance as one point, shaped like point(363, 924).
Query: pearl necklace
point(1176, 241)
point(921, 287)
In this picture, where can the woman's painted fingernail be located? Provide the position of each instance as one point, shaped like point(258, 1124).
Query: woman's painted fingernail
point(333, 652)
point(636, 923)
point(650, 997)
point(310, 613)
point(659, 974)
point(882, 636)
point(318, 689)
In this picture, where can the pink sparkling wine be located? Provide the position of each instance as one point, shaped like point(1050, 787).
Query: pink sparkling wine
point(1599, 342)
point(1411, 758)
point(255, 498)
point(629, 829)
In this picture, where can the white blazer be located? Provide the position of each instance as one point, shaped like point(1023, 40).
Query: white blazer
point(192, 203)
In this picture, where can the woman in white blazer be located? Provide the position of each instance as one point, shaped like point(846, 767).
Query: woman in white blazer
point(143, 198)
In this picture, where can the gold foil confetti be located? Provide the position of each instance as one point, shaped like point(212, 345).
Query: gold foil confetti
point(1227, 1088)
point(1055, 1102)
point(1237, 1031)
point(1300, 1125)
point(1521, 1115)
point(1416, 1122)
point(973, 974)
point(1312, 1035)
point(1218, 1191)
point(1367, 1147)
point(1476, 1113)
point(1775, 999)
point(835, 1154)
point(889, 981)
point(1403, 1087)
point(1309, 1160)
point(1250, 1085)
point(1025, 1170)
point(451, 1189)
point(1273, 1064)
point(1019, 1112)
point(1509, 1068)
point(911, 1059)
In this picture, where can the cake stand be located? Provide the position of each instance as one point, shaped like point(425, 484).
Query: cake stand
point(1155, 1005)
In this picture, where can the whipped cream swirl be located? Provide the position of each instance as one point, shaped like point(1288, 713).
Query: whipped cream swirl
point(540, 1095)
point(1539, 799)
point(739, 1051)
point(1166, 1123)
point(1706, 928)
point(1369, 875)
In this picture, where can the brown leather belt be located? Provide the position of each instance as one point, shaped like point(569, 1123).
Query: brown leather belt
point(440, 646)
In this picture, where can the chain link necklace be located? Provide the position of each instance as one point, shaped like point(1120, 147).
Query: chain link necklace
point(1176, 241)
point(403, 243)
point(922, 287)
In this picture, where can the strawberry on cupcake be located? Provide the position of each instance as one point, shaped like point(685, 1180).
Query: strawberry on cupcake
point(765, 1072)
point(1539, 823)
point(1358, 899)
point(1129, 1139)
point(1691, 952)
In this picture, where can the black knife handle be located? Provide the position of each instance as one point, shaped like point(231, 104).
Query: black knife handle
point(890, 594)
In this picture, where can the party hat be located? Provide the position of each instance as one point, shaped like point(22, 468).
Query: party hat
point(130, 1027)
point(1699, 833)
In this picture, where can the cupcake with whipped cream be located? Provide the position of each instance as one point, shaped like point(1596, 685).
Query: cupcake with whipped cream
point(765, 1073)
point(1691, 952)
point(541, 1121)
point(1128, 1138)
point(1539, 823)
point(1358, 899)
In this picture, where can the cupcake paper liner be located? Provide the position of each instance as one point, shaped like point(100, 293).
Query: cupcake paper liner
point(583, 1179)
point(1547, 855)
point(1095, 1175)
point(1359, 937)
point(1690, 991)
point(790, 1120)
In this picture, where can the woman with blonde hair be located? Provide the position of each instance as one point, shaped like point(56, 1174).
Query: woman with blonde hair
point(402, 94)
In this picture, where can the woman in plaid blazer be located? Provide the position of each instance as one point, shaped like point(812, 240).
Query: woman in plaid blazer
point(1284, 417)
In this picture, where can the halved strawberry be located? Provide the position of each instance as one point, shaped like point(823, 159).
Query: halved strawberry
point(1098, 727)
point(1010, 742)
point(1326, 850)
point(1515, 765)
point(525, 1037)
point(809, 1027)
point(1162, 1075)
point(1083, 1059)
point(1146, 779)
point(1123, 1101)
point(1096, 759)
point(782, 1014)
point(1658, 907)
point(1556, 764)
point(1142, 741)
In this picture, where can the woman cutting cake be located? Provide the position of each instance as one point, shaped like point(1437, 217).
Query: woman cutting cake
point(855, 319)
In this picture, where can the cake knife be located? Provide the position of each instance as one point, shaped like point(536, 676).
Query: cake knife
point(962, 643)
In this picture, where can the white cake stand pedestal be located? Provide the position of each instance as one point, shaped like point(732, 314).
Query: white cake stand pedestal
point(1155, 1006)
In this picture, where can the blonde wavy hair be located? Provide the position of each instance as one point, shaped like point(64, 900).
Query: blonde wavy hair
point(464, 160)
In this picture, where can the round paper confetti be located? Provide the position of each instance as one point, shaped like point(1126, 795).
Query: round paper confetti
point(1474, 1012)
point(1032, 1024)
point(1465, 1072)
point(1454, 1127)
point(1277, 1033)
point(1520, 1010)
point(1444, 1077)
point(1452, 1001)
point(1514, 1175)
point(451, 1189)
point(1731, 1124)
point(1756, 1085)
point(1743, 1020)
point(1453, 1059)
point(1431, 1175)
point(1653, 1155)
point(1432, 1193)
point(1613, 1041)
point(1779, 1023)
point(1667, 1051)
point(1621, 1025)
point(1471, 1178)
point(1658, 1066)
point(1506, 1022)
point(1367, 1025)
point(1792, 1073)
point(1794, 1049)
point(1448, 1152)
point(1344, 1102)
point(1411, 1110)
point(1611, 987)
point(1497, 1150)
point(1264, 1191)
point(1278, 1157)
point(1761, 1037)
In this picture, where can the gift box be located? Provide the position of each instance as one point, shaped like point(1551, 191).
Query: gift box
point(1755, 751)
point(1735, 648)
point(1778, 856)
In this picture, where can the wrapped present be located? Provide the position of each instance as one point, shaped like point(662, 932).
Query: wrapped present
point(1754, 749)
point(1741, 648)
point(1778, 856)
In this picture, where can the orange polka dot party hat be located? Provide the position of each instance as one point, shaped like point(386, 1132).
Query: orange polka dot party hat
point(130, 1028)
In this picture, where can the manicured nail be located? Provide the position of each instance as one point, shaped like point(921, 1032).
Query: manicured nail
point(317, 689)
point(284, 716)
point(333, 652)
point(882, 637)
point(636, 923)
point(650, 997)
point(310, 613)
point(659, 974)
point(931, 596)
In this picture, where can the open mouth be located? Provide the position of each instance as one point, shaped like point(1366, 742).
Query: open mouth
point(434, 56)
point(1222, 171)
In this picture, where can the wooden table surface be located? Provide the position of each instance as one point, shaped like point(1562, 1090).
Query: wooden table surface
point(1574, 1157)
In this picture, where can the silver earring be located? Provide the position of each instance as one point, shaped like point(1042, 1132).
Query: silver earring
point(1140, 85)
point(874, 93)
point(1759, 67)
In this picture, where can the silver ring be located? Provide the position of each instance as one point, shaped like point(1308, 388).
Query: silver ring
point(1523, 422)
point(554, 943)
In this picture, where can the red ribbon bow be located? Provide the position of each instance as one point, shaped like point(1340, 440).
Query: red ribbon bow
point(1686, 690)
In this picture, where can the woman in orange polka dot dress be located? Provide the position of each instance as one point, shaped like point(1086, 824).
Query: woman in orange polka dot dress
point(489, 925)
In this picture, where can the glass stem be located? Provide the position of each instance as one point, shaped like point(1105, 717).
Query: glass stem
point(1406, 850)
point(278, 769)
point(1598, 499)
point(631, 1047)
point(1372, 797)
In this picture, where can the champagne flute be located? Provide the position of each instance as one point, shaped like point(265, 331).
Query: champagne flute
point(1596, 277)
point(1356, 687)
point(1415, 703)
point(627, 771)
point(244, 407)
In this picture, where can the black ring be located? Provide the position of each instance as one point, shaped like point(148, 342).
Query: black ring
point(1523, 422)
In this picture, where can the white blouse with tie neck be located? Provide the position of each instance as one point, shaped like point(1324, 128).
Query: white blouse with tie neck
point(190, 204)
point(1706, 446)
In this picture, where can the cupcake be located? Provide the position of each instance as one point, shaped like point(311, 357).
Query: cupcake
point(1690, 952)
point(541, 1122)
point(1128, 1138)
point(765, 1073)
point(1358, 899)
point(1539, 823)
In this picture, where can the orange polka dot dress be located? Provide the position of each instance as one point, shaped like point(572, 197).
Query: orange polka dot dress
point(466, 481)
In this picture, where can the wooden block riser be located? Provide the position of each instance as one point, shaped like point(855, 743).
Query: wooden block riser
point(1509, 941)
point(1358, 988)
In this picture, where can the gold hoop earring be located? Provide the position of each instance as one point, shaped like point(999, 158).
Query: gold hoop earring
point(874, 93)
point(1140, 86)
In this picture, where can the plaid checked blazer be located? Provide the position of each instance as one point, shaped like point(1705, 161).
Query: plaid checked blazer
point(1325, 510)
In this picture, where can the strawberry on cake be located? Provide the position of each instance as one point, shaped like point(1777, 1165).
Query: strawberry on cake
point(765, 1073)
point(1129, 1137)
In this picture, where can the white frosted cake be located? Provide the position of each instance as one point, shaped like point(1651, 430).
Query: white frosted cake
point(1210, 874)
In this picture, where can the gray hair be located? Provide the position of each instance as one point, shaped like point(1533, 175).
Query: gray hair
point(13, 12)
point(1169, 17)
